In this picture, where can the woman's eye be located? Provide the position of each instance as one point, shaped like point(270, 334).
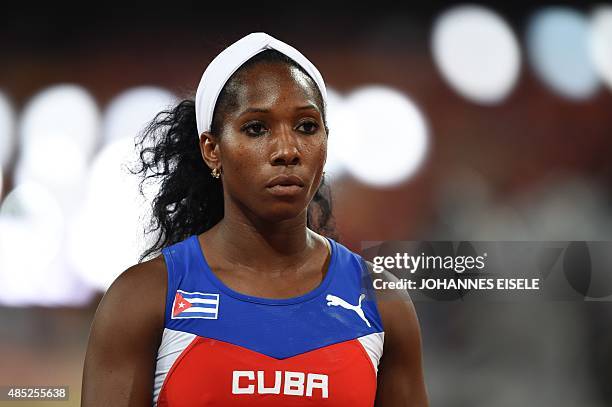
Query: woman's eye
point(308, 127)
point(255, 129)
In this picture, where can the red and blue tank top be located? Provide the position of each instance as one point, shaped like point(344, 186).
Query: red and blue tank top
point(223, 348)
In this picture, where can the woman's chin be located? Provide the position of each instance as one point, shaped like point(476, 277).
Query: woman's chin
point(279, 212)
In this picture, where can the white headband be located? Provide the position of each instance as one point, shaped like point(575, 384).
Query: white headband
point(230, 59)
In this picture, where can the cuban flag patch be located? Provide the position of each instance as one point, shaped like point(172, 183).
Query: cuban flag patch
point(195, 305)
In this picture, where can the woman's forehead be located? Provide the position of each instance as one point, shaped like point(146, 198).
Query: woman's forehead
point(266, 85)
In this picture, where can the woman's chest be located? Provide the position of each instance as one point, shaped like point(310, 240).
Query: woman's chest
point(320, 352)
point(211, 372)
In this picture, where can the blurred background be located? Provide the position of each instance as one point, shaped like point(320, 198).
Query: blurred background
point(448, 121)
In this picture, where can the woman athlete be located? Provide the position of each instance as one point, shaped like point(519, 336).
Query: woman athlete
point(247, 305)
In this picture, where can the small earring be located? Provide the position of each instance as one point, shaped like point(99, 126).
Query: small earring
point(215, 173)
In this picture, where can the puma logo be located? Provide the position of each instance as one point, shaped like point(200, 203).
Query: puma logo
point(333, 301)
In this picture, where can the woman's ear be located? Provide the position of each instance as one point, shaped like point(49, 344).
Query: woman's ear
point(209, 147)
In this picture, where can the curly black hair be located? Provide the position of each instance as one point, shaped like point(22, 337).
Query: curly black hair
point(189, 200)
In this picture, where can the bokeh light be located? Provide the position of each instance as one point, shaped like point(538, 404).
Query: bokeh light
point(341, 129)
point(58, 132)
point(476, 52)
point(61, 111)
point(130, 111)
point(31, 233)
point(390, 136)
point(113, 218)
point(7, 130)
point(600, 42)
point(558, 49)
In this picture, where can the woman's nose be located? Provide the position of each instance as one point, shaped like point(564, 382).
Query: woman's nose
point(286, 150)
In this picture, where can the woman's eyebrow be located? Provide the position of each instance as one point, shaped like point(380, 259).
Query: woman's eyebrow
point(262, 110)
point(309, 106)
point(254, 110)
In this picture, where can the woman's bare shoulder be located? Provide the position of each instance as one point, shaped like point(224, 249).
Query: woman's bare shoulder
point(396, 309)
point(400, 374)
point(148, 274)
point(125, 335)
point(142, 287)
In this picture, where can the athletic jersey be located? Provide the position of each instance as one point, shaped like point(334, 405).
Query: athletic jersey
point(224, 348)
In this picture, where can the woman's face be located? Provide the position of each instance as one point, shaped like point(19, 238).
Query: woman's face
point(273, 143)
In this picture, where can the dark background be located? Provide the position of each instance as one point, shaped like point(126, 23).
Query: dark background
point(535, 166)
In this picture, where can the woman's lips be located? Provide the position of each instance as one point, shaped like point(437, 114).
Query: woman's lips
point(285, 190)
point(285, 185)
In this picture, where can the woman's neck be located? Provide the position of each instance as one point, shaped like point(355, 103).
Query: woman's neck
point(263, 245)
